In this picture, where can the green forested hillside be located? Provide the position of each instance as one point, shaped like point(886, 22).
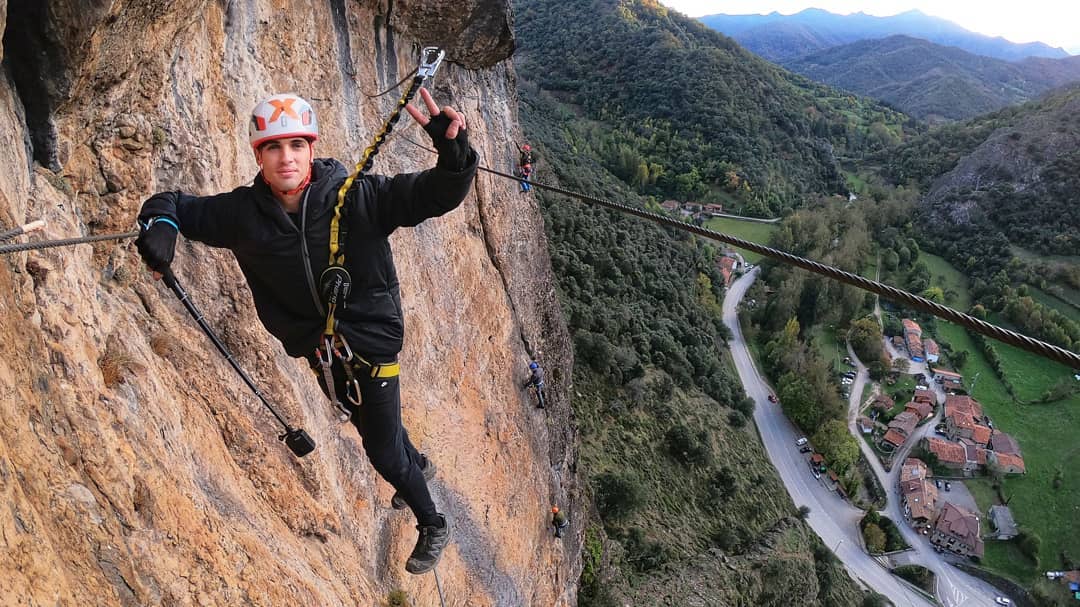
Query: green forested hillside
point(931, 81)
point(696, 117)
point(999, 185)
point(688, 504)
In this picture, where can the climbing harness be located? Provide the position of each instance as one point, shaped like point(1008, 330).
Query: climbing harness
point(33, 226)
point(298, 441)
point(335, 281)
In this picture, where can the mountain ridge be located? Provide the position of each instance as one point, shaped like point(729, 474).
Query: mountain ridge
point(931, 81)
point(766, 36)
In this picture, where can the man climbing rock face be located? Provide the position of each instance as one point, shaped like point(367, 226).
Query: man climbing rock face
point(344, 316)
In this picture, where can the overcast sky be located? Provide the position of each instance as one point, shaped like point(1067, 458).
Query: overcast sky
point(1055, 22)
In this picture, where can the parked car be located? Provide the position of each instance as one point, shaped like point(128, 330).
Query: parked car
point(849, 374)
point(802, 441)
point(937, 483)
point(804, 449)
point(948, 486)
point(1000, 600)
point(772, 398)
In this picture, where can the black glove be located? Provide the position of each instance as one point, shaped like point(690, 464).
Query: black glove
point(157, 243)
point(453, 153)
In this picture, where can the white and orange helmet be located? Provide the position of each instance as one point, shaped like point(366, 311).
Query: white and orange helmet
point(282, 115)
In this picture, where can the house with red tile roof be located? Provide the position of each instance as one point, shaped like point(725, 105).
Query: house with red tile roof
point(948, 379)
point(981, 435)
point(930, 347)
point(1009, 464)
point(914, 468)
point(949, 454)
point(882, 402)
point(919, 497)
point(913, 339)
point(1003, 443)
point(957, 530)
point(922, 410)
point(714, 209)
point(963, 403)
point(975, 455)
point(670, 205)
point(964, 419)
point(924, 396)
point(866, 425)
point(901, 427)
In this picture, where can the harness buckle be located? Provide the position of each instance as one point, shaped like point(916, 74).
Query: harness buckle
point(430, 59)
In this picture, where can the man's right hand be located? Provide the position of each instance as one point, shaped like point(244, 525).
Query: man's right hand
point(157, 243)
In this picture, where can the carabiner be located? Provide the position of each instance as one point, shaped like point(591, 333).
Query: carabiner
point(430, 59)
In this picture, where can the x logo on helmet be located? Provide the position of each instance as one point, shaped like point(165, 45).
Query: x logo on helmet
point(282, 106)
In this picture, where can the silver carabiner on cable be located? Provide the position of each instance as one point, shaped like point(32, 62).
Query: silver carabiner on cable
point(430, 59)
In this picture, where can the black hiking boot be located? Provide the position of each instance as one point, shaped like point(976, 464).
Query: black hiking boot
point(428, 468)
point(429, 547)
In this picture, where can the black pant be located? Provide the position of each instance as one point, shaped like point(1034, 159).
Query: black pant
point(387, 444)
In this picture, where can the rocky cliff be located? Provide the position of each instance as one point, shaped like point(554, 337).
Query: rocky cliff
point(135, 467)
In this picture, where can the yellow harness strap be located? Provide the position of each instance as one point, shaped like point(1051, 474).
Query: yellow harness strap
point(378, 371)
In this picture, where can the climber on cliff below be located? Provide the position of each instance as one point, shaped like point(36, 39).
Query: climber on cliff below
point(558, 521)
point(284, 230)
point(536, 381)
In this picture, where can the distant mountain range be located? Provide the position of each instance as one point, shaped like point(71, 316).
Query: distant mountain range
point(932, 81)
point(782, 38)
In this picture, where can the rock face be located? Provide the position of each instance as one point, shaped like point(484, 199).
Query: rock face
point(135, 467)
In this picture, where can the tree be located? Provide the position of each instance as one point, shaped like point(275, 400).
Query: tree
point(838, 446)
point(875, 538)
point(959, 358)
point(866, 338)
point(934, 294)
point(1029, 544)
point(876, 370)
point(901, 364)
point(890, 260)
point(978, 311)
point(797, 398)
point(804, 511)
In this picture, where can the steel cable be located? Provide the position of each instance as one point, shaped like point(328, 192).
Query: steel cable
point(1035, 346)
point(48, 244)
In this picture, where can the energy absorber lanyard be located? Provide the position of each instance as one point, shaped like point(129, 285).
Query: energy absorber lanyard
point(335, 281)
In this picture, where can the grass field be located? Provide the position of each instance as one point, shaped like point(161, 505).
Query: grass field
point(1047, 435)
point(944, 275)
point(1048, 438)
point(749, 230)
point(1048, 300)
point(824, 339)
point(1030, 375)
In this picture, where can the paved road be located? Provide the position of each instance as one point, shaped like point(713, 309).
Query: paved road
point(832, 518)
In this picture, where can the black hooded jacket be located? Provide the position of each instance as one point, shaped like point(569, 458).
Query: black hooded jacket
point(267, 243)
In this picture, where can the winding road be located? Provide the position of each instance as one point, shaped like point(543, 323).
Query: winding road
point(832, 518)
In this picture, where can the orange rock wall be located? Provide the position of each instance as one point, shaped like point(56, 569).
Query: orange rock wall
point(136, 468)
